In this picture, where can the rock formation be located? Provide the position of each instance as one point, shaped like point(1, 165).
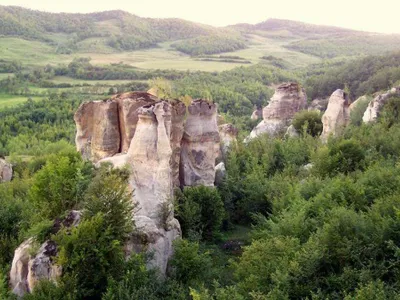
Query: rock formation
point(28, 269)
point(220, 173)
point(355, 103)
point(376, 105)
point(288, 99)
point(337, 115)
point(228, 136)
point(98, 134)
point(6, 171)
point(291, 132)
point(257, 114)
point(200, 145)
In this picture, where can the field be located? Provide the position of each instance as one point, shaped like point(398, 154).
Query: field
point(12, 100)
point(164, 57)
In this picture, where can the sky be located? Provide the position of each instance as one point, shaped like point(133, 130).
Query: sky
point(367, 15)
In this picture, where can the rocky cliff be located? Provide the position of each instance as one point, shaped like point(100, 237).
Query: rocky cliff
point(288, 99)
point(337, 114)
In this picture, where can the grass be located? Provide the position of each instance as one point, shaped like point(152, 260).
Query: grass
point(5, 75)
point(13, 100)
point(66, 79)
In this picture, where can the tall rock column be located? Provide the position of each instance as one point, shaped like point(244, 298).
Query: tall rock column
point(200, 145)
point(337, 115)
point(149, 157)
point(288, 99)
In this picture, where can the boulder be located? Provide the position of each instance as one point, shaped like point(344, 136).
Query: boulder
point(337, 115)
point(228, 136)
point(98, 134)
point(376, 105)
point(220, 173)
point(200, 145)
point(318, 104)
point(288, 99)
point(257, 114)
point(28, 268)
point(6, 171)
point(291, 132)
point(355, 103)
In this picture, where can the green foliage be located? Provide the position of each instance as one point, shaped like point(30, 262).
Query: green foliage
point(357, 112)
point(210, 44)
point(108, 194)
point(189, 265)
point(90, 256)
point(390, 113)
point(200, 210)
point(308, 122)
point(46, 290)
point(60, 184)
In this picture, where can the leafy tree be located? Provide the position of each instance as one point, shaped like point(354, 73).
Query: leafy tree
point(308, 122)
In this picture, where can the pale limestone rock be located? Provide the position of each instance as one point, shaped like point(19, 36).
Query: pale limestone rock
point(337, 115)
point(6, 171)
point(98, 134)
point(376, 105)
point(200, 145)
point(28, 269)
point(291, 132)
point(257, 114)
point(128, 103)
point(355, 103)
point(288, 99)
point(220, 173)
point(228, 137)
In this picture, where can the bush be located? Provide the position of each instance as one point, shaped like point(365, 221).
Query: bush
point(308, 122)
point(200, 210)
point(357, 113)
point(391, 112)
point(90, 257)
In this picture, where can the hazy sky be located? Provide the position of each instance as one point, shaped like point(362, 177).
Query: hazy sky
point(368, 15)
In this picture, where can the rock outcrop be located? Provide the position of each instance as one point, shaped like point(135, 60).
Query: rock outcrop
point(358, 101)
point(291, 132)
point(318, 104)
point(376, 105)
point(228, 136)
point(288, 99)
point(220, 173)
point(257, 114)
point(200, 145)
point(28, 269)
point(337, 114)
point(6, 171)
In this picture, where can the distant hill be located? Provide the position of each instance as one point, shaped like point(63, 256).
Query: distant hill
point(292, 43)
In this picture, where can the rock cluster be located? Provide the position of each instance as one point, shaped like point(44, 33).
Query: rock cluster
point(164, 144)
point(337, 114)
point(29, 268)
point(6, 171)
point(288, 99)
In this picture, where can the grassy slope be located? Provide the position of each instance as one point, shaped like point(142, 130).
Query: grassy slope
point(12, 100)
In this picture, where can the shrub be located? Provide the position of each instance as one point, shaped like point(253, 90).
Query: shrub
point(308, 122)
point(200, 210)
point(391, 112)
point(357, 113)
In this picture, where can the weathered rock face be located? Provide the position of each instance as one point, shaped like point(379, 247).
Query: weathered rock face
point(291, 132)
point(128, 103)
point(376, 105)
point(200, 145)
point(27, 269)
point(288, 99)
point(98, 134)
point(6, 171)
point(178, 112)
point(228, 136)
point(220, 173)
point(337, 115)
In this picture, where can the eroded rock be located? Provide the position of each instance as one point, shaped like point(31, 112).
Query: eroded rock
point(288, 99)
point(200, 145)
point(98, 135)
point(220, 173)
point(376, 105)
point(6, 171)
point(28, 268)
point(337, 114)
point(228, 137)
